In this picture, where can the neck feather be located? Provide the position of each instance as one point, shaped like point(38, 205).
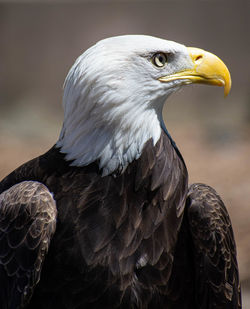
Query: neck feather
point(114, 139)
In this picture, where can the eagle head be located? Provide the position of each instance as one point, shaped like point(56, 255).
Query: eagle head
point(115, 92)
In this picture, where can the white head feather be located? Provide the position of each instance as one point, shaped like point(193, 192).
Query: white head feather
point(113, 100)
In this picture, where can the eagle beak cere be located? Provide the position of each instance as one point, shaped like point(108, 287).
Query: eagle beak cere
point(208, 69)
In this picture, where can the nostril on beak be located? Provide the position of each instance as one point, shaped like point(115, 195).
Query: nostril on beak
point(198, 59)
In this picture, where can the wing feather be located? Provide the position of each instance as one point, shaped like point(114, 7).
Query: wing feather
point(217, 279)
point(27, 223)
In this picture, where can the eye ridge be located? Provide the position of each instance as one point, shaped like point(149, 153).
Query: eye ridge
point(159, 59)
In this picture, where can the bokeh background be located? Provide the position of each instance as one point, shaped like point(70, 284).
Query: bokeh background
point(39, 41)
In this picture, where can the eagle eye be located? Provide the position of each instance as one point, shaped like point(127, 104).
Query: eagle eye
point(159, 60)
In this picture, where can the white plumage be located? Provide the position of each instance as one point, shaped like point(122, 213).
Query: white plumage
point(113, 100)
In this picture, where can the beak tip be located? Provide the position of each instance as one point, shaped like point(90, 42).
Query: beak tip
point(227, 87)
point(226, 92)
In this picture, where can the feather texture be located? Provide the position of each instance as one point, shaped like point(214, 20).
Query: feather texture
point(215, 250)
point(111, 225)
point(124, 240)
point(27, 223)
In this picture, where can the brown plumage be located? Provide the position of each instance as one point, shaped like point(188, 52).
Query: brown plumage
point(115, 239)
point(27, 223)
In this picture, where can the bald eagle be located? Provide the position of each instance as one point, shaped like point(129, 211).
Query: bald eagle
point(105, 218)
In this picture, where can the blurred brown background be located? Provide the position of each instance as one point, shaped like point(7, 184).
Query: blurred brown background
point(40, 40)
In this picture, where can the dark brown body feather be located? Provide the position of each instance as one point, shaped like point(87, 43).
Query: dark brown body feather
point(124, 241)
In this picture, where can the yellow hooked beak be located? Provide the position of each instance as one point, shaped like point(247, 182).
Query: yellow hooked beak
point(208, 69)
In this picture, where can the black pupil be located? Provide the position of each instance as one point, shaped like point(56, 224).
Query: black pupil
point(161, 58)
